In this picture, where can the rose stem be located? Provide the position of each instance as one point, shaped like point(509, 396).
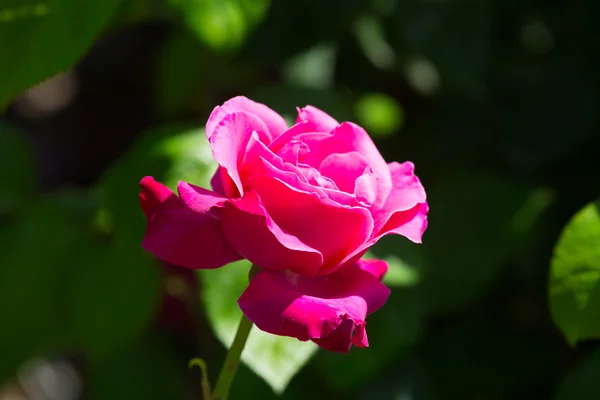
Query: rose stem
point(232, 360)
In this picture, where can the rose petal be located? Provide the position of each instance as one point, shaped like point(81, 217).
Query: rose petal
point(286, 304)
point(404, 204)
point(300, 127)
point(333, 229)
point(274, 122)
point(410, 224)
point(377, 268)
point(260, 160)
point(344, 169)
point(152, 195)
point(348, 138)
point(323, 122)
point(198, 199)
point(253, 233)
point(365, 188)
point(180, 236)
point(342, 338)
point(228, 143)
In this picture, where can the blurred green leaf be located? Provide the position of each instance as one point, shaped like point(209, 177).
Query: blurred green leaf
point(404, 258)
point(17, 169)
point(274, 358)
point(380, 114)
point(370, 36)
point(473, 232)
point(148, 369)
point(454, 36)
point(170, 153)
point(312, 69)
point(180, 73)
point(295, 26)
point(34, 266)
point(582, 382)
point(113, 295)
point(222, 24)
point(574, 286)
point(44, 37)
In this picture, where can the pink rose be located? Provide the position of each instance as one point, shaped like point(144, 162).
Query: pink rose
point(302, 203)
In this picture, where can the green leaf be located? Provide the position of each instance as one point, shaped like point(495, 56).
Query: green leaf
point(170, 153)
point(181, 73)
point(380, 114)
point(33, 269)
point(113, 294)
point(313, 69)
point(582, 382)
point(574, 286)
point(274, 358)
point(443, 36)
point(221, 24)
point(17, 169)
point(404, 258)
point(44, 37)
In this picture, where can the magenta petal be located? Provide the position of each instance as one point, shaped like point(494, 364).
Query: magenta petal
point(334, 230)
point(253, 233)
point(198, 199)
point(407, 190)
point(405, 210)
point(274, 122)
point(300, 127)
point(348, 138)
point(322, 121)
point(189, 239)
point(410, 224)
point(377, 268)
point(229, 140)
point(152, 195)
point(342, 338)
point(344, 169)
point(328, 309)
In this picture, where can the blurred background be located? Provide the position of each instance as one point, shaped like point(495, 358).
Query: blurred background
point(495, 101)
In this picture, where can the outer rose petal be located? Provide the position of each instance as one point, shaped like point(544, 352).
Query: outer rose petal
point(198, 199)
point(180, 236)
point(252, 232)
point(152, 195)
point(332, 229)
point(338, 341)
point(405, 210)
point(228, 143)
point(274, 122)
point(323, 122)
point(377, 268)
point(406, 193)
point(411, 224)
point(330, 310)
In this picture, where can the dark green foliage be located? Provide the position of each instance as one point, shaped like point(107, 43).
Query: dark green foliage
point(494, 101)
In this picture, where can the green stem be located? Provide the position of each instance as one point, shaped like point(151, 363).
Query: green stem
point(232, 360)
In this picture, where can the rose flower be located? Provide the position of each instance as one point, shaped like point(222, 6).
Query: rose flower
point(303, 204)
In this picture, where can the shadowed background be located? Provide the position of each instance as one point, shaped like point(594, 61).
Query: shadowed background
point(495, 101)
